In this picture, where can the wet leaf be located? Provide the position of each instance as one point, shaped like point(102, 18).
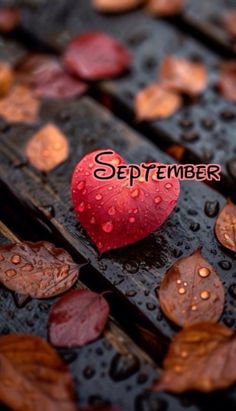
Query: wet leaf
point(37, 269)
point(201, 357)
point(227, 81)
point(6, 78)
point(32, 376)
point(47, 77)
point(184, 76)
point(95, 56)
point(19, 106)
point(9, 19)
point(165, 7)
point(47, 148)
point(77, 318)
point(229, 20)
point(155, 101)
point(114, 6)
point(225, 226)
point(191, 291)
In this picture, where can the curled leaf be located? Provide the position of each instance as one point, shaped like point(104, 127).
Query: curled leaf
point(227, 81)
point(191, 291)
point(229, 20)
point(156, 101)
point(9, 19)
point(19, 106)
point(77, 318)
point(225, 226)
point(47, 148)
point(95, 56)
point(39, 269)
point(183, 75)
point(201, 357)
point(114, 6)
point(165, 8)
point(32, 376)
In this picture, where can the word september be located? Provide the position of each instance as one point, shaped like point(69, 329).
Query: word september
point(133, 172)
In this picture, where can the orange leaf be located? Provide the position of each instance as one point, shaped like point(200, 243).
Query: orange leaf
point(19, 106)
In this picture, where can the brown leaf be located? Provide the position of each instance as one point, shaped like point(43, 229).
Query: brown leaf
point(229, 22)
point(47, 148)
point(6, 78)
point(176, 151)
point(225, 226)
point(32, 376)
point(183, 75)
point(201, 357)
point(165, 7)
point(37, 269)
point(227, 81)
point(19, 106)
point(9, 19)
point(155, 101)
point(114, 6)
point(191, 291)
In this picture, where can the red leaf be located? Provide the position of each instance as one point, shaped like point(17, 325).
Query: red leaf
point(115, 214)
point(201, 357)
point(165, 7)
point(225, 226)
point(9, 19)
point(37, 269)
point(77, 318)
point(191, 291)
point(95, 56)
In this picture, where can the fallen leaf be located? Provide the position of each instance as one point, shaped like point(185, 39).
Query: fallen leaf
point(184, 76)
point(95, 56)
point(225, 226)
point(227, 81)
point(156, 101)
point(47, 77)
point(165, 8)
point(114, 6)
point(19, 106)
point(32, 376)
point(77, 318)
point(9, 19)
point(47, 148)
point(176, 151)
point(229, 20)
point(39, 270)
point(201, 357)
point(191, 291)
point(6, 78)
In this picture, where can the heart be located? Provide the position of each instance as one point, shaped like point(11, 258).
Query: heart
point(113, 213)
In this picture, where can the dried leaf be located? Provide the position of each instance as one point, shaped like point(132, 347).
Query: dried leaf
point(47, 77)
point(114, 6)
point(176, 151)
point(155, 101)
point(37, 269)
point(201, 357)
point(229, 22)
point(225, 226)
point(19, 106)
point(32, 376)
point(227, 81)
point(95, 56)
point(184, 76)
point(77, 318)
point(6, 78)
point(165, 8)
point(9, 19)
point(191, 291)
point(47, 148)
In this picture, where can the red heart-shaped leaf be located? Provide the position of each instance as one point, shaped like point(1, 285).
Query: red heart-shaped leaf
point(95, 55)
point(77, 318)
point(113, 213)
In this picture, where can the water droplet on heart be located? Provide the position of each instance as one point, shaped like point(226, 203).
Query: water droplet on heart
point(112, 210)
point(115, 161)
point(157, 200)
point(92, 220)
point(91, 165)
point(154, 177)
point(204, 272)
point(110, 188)
point(135, 193)
point(141, 179)
point(107, 227)
point(168, 186)
point(182, 290)
point(81, 185)
point(131, 220)
point(205, 295)
point(98, 197)
point(81, 207)
point(10, 273)
point(16, 259)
